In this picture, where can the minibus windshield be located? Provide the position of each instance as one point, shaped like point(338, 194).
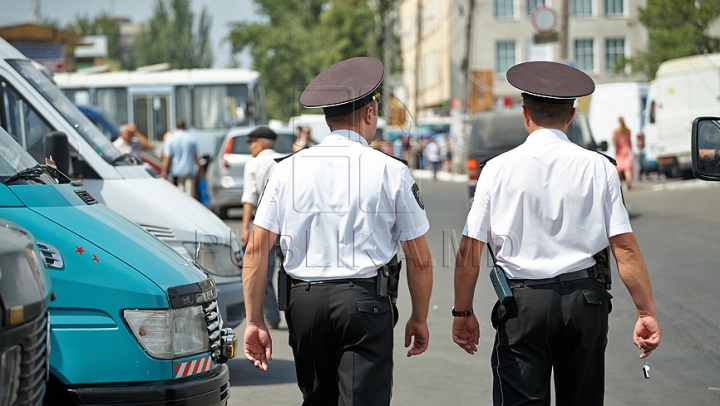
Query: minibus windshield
point(67, 109)
point(13, 159)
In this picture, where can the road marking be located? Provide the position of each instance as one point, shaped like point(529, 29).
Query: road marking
point(713, 388)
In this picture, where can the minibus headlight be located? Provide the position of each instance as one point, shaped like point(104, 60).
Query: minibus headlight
point(220, 259)
point(168, 334)
point(9, 375)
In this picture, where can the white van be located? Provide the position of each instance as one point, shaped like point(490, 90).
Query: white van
point(611, 101)
point(648, 138)
point(687, 88)
point(34, 106)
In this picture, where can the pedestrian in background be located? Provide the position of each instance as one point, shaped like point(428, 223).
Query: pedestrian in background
point(180, 159)
point(256, 174)
point(341, 209)
point(304, 139)
point(131, 141)
point(623, 152)
point(547, 208)
point(432, 154)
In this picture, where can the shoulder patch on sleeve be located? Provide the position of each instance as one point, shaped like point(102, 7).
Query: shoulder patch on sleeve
point(418, 197)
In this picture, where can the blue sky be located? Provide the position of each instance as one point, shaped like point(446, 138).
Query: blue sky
point(221, 11)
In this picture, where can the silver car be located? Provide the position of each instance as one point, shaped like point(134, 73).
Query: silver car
point(224, 174)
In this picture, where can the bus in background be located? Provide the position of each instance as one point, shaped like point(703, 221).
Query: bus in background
point(211, 101)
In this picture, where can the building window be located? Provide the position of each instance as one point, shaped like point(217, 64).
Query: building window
point(614, 7)
point(584, 55)
point(614, 53)
point(504, 9)
point(504, 56)
point(532, 4)
point(581, 8)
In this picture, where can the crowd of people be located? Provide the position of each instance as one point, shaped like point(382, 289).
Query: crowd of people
point(427, 152)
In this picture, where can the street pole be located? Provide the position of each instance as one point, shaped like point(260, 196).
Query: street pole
point(466, 61)
point(564, 30)
point(417, 63)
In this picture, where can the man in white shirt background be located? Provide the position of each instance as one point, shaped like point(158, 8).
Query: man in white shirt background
point(261, 143)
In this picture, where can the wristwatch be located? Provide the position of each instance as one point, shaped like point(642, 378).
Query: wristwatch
point(464, 313)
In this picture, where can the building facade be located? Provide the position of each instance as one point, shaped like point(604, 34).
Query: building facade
point(601, 35)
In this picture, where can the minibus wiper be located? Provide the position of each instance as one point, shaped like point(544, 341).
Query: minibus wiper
point(33, 173)
point(126, 157)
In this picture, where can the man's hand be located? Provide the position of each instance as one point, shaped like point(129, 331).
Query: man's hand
point(646, 335)
point(466, 333)
point(257, 345)
point(419, 330)
point(244, 236)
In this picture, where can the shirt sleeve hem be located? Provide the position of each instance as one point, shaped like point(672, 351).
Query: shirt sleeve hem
point(266, 225)
point(621, 229)
point(480, 235)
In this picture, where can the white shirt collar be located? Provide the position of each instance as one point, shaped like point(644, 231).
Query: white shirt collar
point(546, 134)
point(345, 135)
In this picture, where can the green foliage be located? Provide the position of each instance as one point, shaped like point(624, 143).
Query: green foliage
point(299, 38)
point(102, 24)
point(676, 28)
point(169, 37)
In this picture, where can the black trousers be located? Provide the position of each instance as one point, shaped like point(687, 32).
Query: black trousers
point(342, 340)
point(559, 327)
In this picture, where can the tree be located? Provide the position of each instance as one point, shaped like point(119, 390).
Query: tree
point(676, 28)
point(169, 37)
point(300, 38)
point(105, 25)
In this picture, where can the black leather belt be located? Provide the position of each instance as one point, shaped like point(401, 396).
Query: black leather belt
point(296, 283)
point(587, 273)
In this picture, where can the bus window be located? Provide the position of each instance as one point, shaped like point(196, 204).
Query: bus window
point(259, 113)
point(114, 102)
point(220, 106)
point(183, 105)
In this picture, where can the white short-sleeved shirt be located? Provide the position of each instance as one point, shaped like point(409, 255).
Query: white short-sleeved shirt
point(256, 173)
point(548, 206)
point(340, 208)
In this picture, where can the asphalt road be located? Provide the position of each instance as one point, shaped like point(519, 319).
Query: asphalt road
point(677, 224)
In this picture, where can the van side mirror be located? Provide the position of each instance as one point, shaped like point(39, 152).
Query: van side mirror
point(57, 147)
point(706, 148)
point(603, 146)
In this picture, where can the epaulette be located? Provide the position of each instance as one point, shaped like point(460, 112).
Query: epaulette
point(286, 156)
point(609, 158)
point(394, 157)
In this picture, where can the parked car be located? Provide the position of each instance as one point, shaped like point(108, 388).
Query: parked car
point(225, 172)
point(495, 132)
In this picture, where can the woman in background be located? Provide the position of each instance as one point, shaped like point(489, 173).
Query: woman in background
point(623, 152)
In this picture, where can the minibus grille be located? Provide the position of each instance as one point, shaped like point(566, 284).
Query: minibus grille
point(33, 370)
point(51, 256)
point(85, 196)
point(212, 318)
point(162, 233)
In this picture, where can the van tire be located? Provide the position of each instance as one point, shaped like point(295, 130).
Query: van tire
point(56, 394)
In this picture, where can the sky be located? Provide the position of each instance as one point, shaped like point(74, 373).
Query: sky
point(139, 11)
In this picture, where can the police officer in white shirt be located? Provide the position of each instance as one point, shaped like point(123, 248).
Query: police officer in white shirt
point(547, 207)
point(341, 208)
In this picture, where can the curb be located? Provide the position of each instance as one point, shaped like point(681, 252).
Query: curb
point(444, 176)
